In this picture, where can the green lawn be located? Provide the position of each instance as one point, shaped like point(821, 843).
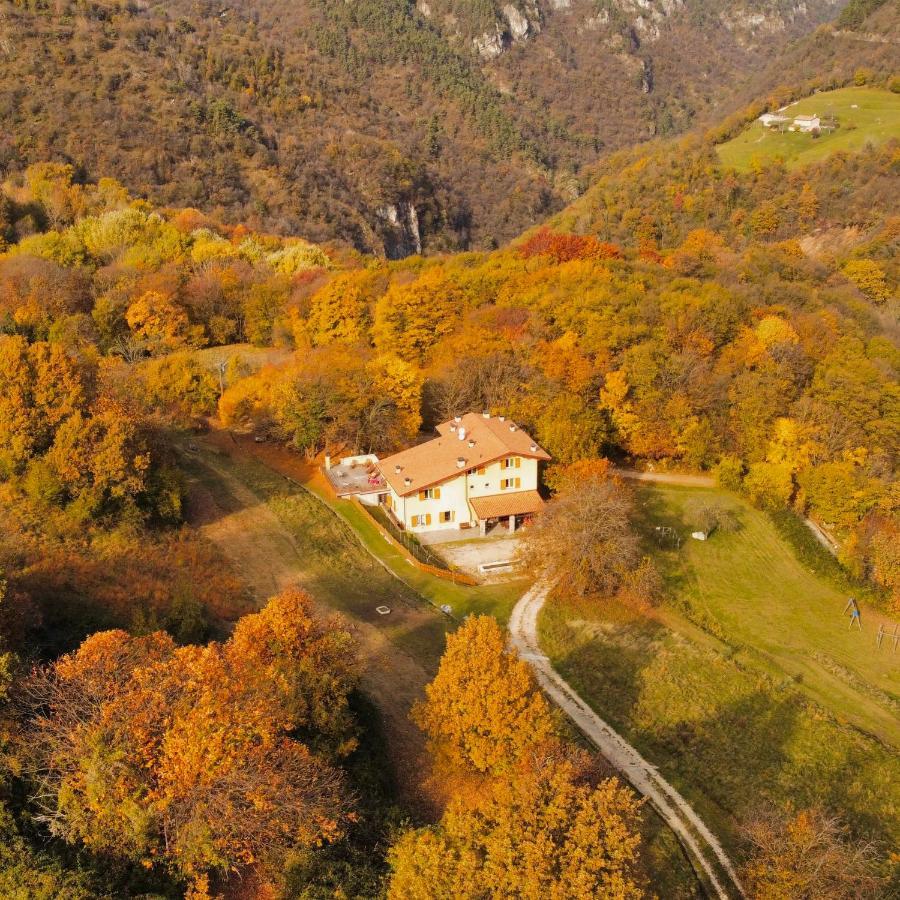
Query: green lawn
point(875, 119)
point(750, 589)
point(747, 684)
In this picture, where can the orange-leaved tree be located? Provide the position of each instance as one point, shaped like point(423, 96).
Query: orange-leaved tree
point(549, 830)
point(189, 756)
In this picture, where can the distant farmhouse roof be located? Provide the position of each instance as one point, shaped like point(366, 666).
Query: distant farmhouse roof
point(800, 119)
point(468, 442)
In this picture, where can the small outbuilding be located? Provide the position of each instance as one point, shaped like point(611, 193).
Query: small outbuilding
point(807, 123)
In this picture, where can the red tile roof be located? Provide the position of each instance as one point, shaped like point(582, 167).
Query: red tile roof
point(437, 460)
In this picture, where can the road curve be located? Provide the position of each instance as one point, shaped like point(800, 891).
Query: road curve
point(696, 838)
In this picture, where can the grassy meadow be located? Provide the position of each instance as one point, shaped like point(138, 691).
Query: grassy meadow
point(865, 115)
point(745, 685)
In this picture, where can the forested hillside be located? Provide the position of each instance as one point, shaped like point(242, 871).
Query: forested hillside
point(391, 126)
point(678, 312)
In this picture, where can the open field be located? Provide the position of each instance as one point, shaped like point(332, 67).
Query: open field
point(746, 684)
point(875, 119)
point(253, 358)
point(749, 589)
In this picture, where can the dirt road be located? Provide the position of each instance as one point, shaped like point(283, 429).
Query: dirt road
point(703, 847)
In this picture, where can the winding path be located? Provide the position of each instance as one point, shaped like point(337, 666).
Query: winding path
point(677, 813)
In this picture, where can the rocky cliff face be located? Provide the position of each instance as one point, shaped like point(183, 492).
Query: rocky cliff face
point(509, 24)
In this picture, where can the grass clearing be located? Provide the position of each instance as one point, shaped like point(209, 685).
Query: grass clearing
point(875, 119)
point(749, 589)
point(746, 684)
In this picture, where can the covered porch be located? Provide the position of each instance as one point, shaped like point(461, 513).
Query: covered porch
point(505, 511)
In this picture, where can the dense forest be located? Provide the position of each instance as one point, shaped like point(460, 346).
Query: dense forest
point(678, 312)
point(378, 123)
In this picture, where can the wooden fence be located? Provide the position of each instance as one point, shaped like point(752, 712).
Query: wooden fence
point(447, 574)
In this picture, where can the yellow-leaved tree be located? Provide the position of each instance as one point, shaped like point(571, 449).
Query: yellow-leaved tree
point(412, 317)
point(529, 816)
point(548, 831)
point(484, 708)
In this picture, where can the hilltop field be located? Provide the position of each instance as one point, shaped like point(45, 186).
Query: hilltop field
point(865, 115)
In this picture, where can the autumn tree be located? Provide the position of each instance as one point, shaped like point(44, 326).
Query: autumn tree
point(548, 830)
point(190, 757)
point(160, 322)
point(807, 855)
point(869, 277)
point(483, 709)
point(583, 539)
point(340, 310)
point(411, 317)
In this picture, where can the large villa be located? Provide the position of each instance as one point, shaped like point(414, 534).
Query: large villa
point(479, 470)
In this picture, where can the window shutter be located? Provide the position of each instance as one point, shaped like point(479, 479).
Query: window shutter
point(427, 518)
point(421, 495)
point(437, 493)
point(518, 462)
point(518, 482)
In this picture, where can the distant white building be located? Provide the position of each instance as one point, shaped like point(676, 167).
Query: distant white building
point(807, 123)
point(772, 120)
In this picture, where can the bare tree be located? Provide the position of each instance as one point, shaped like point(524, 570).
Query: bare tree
point(808, 855)
point(583, 539)
point(708, 513)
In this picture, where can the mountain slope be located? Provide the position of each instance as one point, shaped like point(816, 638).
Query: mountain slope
point(394, 127)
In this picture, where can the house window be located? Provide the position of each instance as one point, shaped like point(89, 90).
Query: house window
point(506, 483)
point(446, 516)
point(421, 520)
point(430, 494)
point(511, 462)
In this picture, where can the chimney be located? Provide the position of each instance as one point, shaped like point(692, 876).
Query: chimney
point(512, 426)
point(462, 434)
point(471, 442)
point(453, 426)
point(398, 469)
point(534, 448)
point(460, 462)
point(502, 418)
point(407, 481)
point(457, 419)
point(485, 415)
